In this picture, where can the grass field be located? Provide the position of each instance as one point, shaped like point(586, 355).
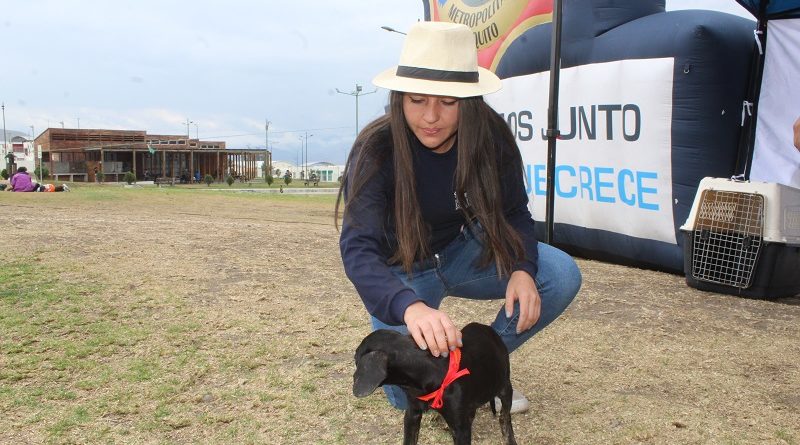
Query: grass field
point(171, 316)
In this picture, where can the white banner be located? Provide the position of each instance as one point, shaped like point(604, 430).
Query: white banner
point(613, 162)
point(775, 158)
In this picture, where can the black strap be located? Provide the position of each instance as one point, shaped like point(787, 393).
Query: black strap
point(440, 75)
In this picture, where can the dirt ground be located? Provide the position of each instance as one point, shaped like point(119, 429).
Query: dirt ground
point(638, 358)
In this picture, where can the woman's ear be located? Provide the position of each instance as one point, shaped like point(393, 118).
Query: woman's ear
point(371, 370)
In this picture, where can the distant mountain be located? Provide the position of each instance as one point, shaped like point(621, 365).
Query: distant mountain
point(11, 133)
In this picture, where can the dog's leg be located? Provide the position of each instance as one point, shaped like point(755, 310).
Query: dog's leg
point(506, 428)
point(460, 424)
point(491, 405)
point(505, 414)
point(411, 423)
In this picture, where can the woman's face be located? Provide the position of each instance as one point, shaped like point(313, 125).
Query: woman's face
point(433, 119)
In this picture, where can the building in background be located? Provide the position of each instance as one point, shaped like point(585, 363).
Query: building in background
point(24, 155)
point(325, 171)
point(20, 146)
point(77, 154)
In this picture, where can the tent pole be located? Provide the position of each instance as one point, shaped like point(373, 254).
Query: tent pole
point(747, 133)
point(552, 118)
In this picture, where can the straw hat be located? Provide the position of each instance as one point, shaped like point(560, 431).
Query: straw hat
point(441, 59)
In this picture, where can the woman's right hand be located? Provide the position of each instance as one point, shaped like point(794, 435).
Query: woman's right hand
point(432, 329)
point(796, 128)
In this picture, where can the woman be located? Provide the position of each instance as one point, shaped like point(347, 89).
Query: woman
point(436, 205)
point(22, 181)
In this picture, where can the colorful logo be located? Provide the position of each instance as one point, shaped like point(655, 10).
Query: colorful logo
point(495, 23)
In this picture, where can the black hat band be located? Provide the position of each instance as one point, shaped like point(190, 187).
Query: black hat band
point(438, 75)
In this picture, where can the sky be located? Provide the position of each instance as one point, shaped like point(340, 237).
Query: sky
point(227, 67)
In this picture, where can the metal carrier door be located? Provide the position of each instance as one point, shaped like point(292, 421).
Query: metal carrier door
point(727, 237)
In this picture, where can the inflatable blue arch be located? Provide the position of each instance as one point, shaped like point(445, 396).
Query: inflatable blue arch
point(691, 69)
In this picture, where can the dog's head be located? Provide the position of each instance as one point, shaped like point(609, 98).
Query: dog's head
point(373, 357)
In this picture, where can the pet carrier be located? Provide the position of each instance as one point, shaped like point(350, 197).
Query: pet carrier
point(743, 238)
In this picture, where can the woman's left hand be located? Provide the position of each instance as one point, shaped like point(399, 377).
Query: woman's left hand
point(522, 288)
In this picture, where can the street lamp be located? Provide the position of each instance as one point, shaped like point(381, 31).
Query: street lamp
point(188, 123)
point(307, 136)
point(390, 29)
point(358, 92)
point(35, 153)
point(267, 154)
point(304, 157)
point(5, 138)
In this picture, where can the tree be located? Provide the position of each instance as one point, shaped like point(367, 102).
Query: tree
point(130, 177)
point(41, 172)
point(208, 179)
point(287, 177)
point(270, 180)
point(229, 180)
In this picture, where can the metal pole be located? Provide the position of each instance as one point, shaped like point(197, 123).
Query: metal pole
point(5, 139)
point(356, 93)
point(267, 158)
point(390, 29)
point(308, 173)
point(552, 119)
point(35, 153)
point(357, 87)
point(305, 159)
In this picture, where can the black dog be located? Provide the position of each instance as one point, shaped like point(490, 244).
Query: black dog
point(389, 358)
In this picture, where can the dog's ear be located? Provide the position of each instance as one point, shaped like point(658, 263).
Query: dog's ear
point(371, 370)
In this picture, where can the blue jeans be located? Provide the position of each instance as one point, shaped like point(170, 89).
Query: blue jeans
point(457, 274)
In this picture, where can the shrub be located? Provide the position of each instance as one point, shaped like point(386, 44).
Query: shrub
point(229, 179)
point(130, 177)
point(100, 176)
point(42, 172)
point(287, 179)
point(4, 173)
point(208, 179)
point(269, 179)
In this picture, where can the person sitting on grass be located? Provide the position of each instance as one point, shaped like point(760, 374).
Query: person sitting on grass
point(22, 182)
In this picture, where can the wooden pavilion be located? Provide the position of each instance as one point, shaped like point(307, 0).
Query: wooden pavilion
point(78, 154)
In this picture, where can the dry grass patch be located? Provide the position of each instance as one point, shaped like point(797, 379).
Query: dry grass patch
point(187, 316)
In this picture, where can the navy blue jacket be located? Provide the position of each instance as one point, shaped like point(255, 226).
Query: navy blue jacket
point(368, 238)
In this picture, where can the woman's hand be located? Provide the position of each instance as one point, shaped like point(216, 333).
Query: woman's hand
point(796, 128)
point(432, 329)
point(522, 288)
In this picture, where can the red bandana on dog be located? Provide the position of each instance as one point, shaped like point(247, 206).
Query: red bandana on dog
point(452, 374)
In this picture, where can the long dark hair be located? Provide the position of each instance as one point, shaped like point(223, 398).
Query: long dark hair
point(485, 144)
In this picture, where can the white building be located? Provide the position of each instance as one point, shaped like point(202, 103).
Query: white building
point(22, 148)
point(326, 171)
